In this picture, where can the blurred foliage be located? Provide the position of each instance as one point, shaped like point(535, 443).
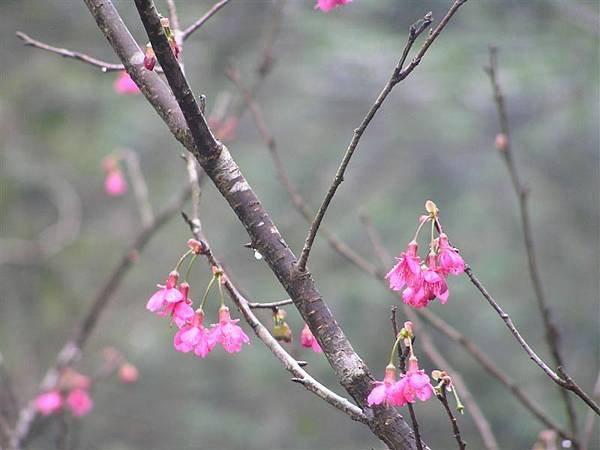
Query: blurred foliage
point(432, 139)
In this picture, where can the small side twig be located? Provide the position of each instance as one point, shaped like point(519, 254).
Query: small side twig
point(202, 20)
point(551, 330)
point(270, 305)
point(402, 355)
point(443, 398)
point(590, 419)
point(566, 382)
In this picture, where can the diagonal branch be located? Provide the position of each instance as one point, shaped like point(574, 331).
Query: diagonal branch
point(398, 75)
point(181, 111)
point(505, 150)
point(197, 24)
point(71, 351)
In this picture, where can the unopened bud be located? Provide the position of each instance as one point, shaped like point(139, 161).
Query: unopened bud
point(128, 373)
point(431, 208)
point(149, 57)
point(501, 142)
point(195, 246)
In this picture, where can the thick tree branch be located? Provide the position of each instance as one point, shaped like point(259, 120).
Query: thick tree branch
point(218, 164)
point(551, 330)
point(398, 75)
point(72, 349)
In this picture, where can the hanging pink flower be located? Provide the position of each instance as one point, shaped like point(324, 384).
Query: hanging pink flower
point(415, 383)
point(79, 402)
point(407, 270)
point(384, 391)
point(114, 183)
point(308, 340)
point(48, 402)
point(328, 5)
point(124, 85)
point(71, 379)
point(165, 294)
point(434, 284)
point(181, 312)
point(449, 259)
point(415, 296)
point(195, 337)
point(227, 333)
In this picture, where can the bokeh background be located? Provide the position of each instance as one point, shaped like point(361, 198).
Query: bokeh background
point(434, 138)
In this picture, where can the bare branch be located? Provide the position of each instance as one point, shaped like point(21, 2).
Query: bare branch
point(202, 20)
point(72, 349)
point(173, 17)
point(102, 65)
point(551, 330)
point(289, 363)
point(566, 382)
point(443, 398)
point(590, 419)
point(398, 75)
point(270, 305)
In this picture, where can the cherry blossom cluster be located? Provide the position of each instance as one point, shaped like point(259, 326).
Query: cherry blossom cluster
point(172, 300)
point(328, 5)
point(411, 385)
point(114, 181)
point(423, 281)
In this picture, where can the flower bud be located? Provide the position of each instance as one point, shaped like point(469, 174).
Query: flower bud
point(149, 57)
point(501, 142)
point(431, 208)
point(195, 246)
point(128, 373)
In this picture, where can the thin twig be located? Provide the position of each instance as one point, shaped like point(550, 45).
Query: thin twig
point(284, 178)
point(398, 75)
point(566, 382)
point(140, 188)
point(551, 330)
point(289, 363)
point(72, 349)
point(590, 419)
point(442, 397)
point(402, 355)
point(197, 24)
point(270, 305)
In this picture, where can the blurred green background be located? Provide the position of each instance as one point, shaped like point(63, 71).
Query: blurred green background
point(434, 138)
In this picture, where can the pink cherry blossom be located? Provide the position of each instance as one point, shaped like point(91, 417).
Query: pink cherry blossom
point(308, 340)
point(181, 312)
point(165, 294)
point(434, 284)
point(48, 402)
point(195, 337)
point(328, 5)
point(124, 85)
point(227, 333)
point(114, 183)
point(415, 383)
point(79, 402)
point(407, 270)
point(384, 391)
point(128, 373)
point(449, 259)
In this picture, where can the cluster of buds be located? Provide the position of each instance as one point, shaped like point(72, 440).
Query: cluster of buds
point(411, 385)
point(114, 181)
point(426, 280)
point(172, 300)
point(71, 392)
point(150, 56)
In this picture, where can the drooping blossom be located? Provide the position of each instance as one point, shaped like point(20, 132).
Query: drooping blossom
point(227, 333)
point(124, 85)
point(433, 284)
point(384, 391)
point(128, 373)
point(79, 402)
point(328, 5)
point(48, 402)
point(408, 269)
point(308, 340)
point(415, 383)
point(165, 294)
point(181, 312)
point(114, 183)
point(194, 336)
point(449, 259)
